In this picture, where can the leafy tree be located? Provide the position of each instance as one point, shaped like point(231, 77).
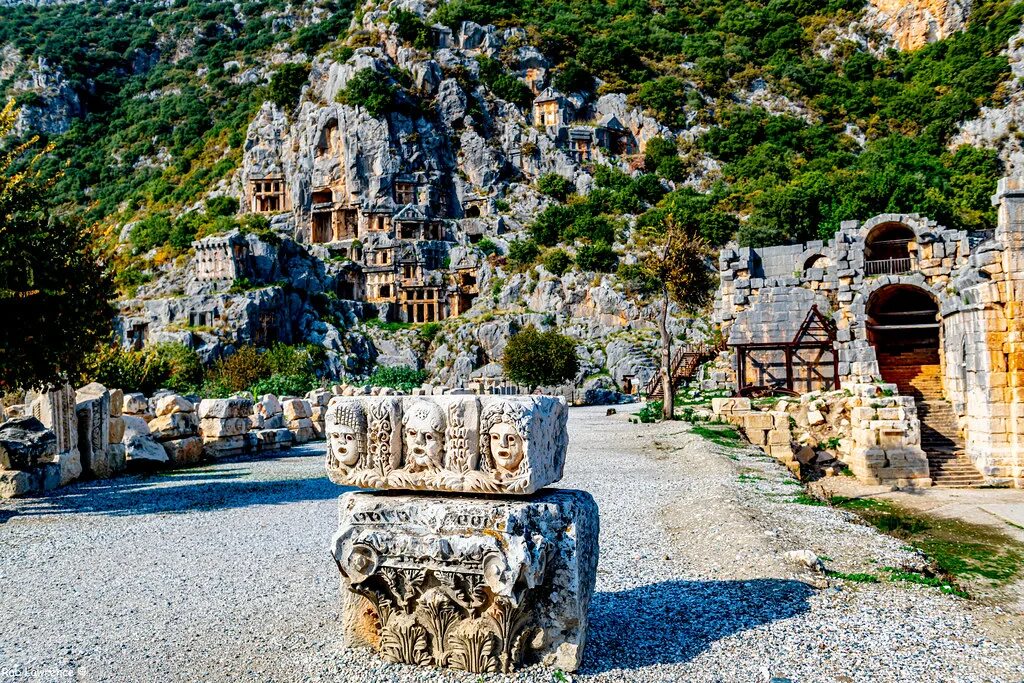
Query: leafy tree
point(573, 77)
point(54, 293)
point(536, 359)
point(671, 257)
point(370, 90)
point(547, 227)
point(286, 84)
point(666, 99)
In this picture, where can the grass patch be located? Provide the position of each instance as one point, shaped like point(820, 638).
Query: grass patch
point(943, 584)
point(960, 550)
point(721, 436)
point(856, 577)
point(748, 478)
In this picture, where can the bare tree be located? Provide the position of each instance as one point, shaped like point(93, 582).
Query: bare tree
point(676, 263)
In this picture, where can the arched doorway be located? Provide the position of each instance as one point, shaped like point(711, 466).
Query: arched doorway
point(887, 249)
point(903, 326)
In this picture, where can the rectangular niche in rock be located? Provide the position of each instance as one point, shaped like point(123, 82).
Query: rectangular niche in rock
point(483, 584)
point(470, 444)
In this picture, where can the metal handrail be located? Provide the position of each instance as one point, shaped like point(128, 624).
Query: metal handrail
point(889, 266)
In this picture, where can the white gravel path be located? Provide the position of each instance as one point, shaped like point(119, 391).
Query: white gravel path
point(222, 573)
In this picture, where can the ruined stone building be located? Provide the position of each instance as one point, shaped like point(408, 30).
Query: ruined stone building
point(933, 311)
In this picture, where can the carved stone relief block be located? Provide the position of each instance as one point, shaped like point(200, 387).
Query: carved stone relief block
point(489, 444)
point(483, 585)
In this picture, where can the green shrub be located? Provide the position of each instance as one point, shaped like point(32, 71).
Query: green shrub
point(118, 368)
point(522, 253)
point(572, 77)
point(410, 28)
point(429, 332)
point(557, 261)
point(597, 257)
point(239, 371)
point(488, 247)
point(221, 206)
point(151, 232)
point(555, 185)
point(370, 90)
point(184, 368)
point(398, 377)
point(285, 385)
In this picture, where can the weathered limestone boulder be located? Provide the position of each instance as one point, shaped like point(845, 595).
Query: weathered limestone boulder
point(141, 449)
point(298, 418)
point(229, 426)
point(224, 424)
point(488, 444)
point(173, 426)
point(483, 585)
point(173, 403)
point(274, 439)
point(225, 407)
point(56, 411)
point(28, 458)
point(318, 400)
point(267, 413)
point(185, 451)
point(93, 409)
point(134, 404)
point(25, 443)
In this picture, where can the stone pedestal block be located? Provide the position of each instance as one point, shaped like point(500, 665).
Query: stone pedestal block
point(93, 409)
point(56, 410)
point(483, 585)
point(487, 444)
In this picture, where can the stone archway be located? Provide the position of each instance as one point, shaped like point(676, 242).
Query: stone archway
point(903, 326)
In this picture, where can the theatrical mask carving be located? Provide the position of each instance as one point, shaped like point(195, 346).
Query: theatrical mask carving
point(423, 430)
point(457, 443)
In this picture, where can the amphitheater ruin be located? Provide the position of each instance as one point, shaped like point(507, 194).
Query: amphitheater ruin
point(894, 304)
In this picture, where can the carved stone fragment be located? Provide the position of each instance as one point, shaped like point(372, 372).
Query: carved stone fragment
point(483, 585)
point(488, 444)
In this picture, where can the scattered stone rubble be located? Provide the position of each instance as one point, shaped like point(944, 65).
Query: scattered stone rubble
point(867, 428)
point(485, 584)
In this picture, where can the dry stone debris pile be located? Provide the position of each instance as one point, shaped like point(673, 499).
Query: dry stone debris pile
point(484, 583)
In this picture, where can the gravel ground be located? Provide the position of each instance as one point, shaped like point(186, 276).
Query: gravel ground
point(222, 573)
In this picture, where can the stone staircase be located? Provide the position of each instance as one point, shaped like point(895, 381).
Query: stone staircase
point(940, 433)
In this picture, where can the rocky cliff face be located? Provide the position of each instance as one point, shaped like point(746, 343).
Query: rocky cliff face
point(919, 22)
point(999, 127)
point(374, 211)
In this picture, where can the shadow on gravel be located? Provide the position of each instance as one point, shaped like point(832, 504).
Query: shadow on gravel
point(235, 483)
point(674, 621)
